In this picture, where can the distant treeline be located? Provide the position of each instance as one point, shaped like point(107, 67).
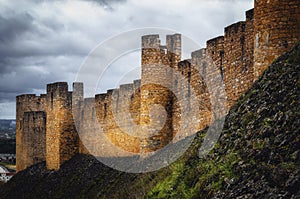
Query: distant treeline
point(8, 146)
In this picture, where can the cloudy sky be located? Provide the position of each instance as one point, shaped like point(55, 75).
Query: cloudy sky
point(47, 41)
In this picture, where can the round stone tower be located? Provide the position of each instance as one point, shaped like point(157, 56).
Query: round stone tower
point(276, 30)
point(156, 83)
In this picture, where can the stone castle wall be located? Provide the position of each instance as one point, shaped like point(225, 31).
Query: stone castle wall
point(169, 87)
point(45, 128)
point(276, 30)
point(26, 103)
point(112, 115)
point(233, 55)
point(33, 128)
point(61, 135)
point(156, 89)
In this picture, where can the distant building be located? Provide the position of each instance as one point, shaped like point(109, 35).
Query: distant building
point(5, 175)
point(11, 158)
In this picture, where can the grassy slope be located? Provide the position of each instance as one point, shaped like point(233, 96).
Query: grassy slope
point(257, 155)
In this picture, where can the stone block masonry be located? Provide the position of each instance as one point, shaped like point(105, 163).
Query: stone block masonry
point(276, 30)
point(61, 135)
point(45, 125)
point(156, 63)
point(26, 103)
point(233, 55)
point(33, 128)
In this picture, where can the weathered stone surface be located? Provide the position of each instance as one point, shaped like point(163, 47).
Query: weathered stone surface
point(25, 103)
point(61, 135)
point(276, 30)
point(33, 128)
point(233, 57)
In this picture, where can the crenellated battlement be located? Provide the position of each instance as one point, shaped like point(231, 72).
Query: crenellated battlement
point(57, 90)
point(173, 43)
point(48, 125)
point(150, 41)
point(235, 28)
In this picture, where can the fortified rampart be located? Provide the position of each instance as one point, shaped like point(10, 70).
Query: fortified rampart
point(26, 104)
point(156, 86)
point(45, 128)
point(276, 30)
point(61, 135)
point(34, 137)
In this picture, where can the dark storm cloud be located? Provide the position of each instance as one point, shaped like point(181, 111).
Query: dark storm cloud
point(13, 27)
point(34, 52)
point(107, 4)
point(7, 96)
point(22, 36)
point(46, 41)
point(4, 65)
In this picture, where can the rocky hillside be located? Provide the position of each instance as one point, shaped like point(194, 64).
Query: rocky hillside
point(257, 156)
